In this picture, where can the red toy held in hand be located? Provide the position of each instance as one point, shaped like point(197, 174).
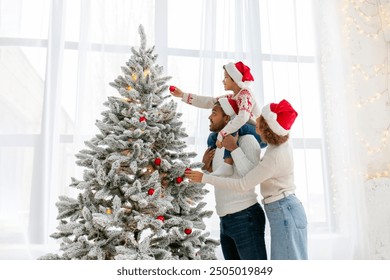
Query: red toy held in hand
point(172, 88)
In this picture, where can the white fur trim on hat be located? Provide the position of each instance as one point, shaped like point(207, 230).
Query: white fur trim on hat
point(227, 107)
point(270, 118)
point(236, 75)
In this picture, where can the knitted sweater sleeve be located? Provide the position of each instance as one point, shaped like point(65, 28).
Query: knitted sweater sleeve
point(247, 155)
point(200, 101)
point(262, 172)
point(245, 104)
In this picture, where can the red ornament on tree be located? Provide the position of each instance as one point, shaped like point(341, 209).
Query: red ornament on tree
point(157, 161)
point(188, 231)
point(150, 191)
point(161, 218)
point(187, 169)
point(179, 180)
point(172, 88)
point(142, 119)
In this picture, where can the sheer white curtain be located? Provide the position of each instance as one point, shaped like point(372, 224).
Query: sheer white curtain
point(339, 120)
point(48, 109)
point(354, 51)
point(276, 39)
point(57, 58)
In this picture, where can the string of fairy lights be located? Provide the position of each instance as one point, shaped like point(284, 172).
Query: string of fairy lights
point(371, 20)
point(375, 71)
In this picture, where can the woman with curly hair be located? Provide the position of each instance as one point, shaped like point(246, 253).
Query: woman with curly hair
point(275, 173)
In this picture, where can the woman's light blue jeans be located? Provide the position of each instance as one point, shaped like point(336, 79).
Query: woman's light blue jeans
point(288, 224)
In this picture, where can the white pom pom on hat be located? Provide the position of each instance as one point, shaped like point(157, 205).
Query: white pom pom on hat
point(240, 73)
point(279, 116)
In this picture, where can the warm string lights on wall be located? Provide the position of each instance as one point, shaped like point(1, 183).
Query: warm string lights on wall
point(363, 16)
point(370, 20)
point(379, 181)
point(384, 13)
point(384, 142)
point(372, 98)
point(374, 72)
point(371, 11)
point(381, 70)
point(370, 34)
point(385, 173)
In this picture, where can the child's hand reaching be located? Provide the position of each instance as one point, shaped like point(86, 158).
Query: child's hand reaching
point(175, 91)
point(219, 144)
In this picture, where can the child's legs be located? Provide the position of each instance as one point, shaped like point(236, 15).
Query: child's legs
point(212, 144)
point(246, 129)
point(212, 140)
point(250, 129)
point(227, 155)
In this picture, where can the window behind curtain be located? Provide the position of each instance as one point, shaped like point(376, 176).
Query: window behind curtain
point(288, 69)
point(193, 40)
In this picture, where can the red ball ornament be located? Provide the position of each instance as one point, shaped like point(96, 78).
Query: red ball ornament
point(150, 191)
point(179, 180)
point(172, 88)
point(142, 119)
point(157, 161)
point(188, 231)
point(161, 218)
point(187, 169)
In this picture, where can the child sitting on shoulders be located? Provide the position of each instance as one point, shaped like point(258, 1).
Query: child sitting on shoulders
point(240, 106)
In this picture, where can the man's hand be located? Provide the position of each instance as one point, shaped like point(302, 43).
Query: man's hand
point(230, 142)
point(208, 159)
point(194, 176)
point(176, 92)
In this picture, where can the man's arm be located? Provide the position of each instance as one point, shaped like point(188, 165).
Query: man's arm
point(246, 156)
point(208, 160)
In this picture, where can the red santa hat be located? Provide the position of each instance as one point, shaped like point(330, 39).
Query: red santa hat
point(229, 106)
point(279, 116)
point(240, 73)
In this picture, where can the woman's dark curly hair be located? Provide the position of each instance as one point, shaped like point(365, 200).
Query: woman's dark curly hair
point(268, 136)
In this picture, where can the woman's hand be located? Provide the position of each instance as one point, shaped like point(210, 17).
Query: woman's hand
point(194, 176)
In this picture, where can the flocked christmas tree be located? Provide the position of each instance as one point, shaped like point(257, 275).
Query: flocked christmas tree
point(134, 202)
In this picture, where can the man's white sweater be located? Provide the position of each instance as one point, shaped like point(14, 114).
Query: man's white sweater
point(246, 157)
